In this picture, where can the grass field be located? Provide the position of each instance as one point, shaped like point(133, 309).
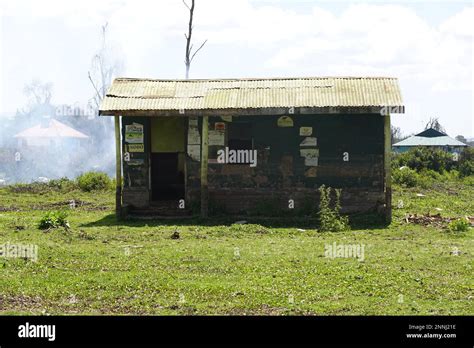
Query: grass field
point(100, 266)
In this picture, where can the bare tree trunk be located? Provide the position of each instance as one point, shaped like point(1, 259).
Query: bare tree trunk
point(189, 56)
point(188, 37)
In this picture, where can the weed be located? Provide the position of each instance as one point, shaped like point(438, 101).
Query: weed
point(330, 219)
point(54, 219)
point(460, 225)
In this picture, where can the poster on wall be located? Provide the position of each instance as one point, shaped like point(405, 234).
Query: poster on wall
point(309, 153)
point(134, 133)
point(285, 121)
point(306, 131)
point(194, 151)
point(193, 121)
point(194, 138)
point(310, 157)
point(309, 141)
point(136, 162)
point(135, 148)
point(219, 126)
point(311, 162)
point(216, 138)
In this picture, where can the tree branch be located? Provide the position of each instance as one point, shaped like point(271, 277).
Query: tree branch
point(192, 57)
point(93, 85)
point(185, 4)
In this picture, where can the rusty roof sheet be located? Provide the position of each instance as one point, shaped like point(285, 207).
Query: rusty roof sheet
point(237, 94)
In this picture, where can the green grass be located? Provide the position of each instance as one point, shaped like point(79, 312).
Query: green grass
point(100, 266)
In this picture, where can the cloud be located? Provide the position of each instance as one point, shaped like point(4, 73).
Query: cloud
point(459, 24)
point(253, 38)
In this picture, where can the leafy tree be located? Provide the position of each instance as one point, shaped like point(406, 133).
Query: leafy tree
point(435, 124)
point(461, 138)
point(395, 134)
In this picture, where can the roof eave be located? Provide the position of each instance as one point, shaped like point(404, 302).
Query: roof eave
point(270, 111)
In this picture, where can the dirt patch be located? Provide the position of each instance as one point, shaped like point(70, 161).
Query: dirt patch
point(69, 203)
point(21, 303)
point(72, 203)
point(38, 305)
point(428, 220)
point(10, 208)
point(75, 202)
point(268, 310)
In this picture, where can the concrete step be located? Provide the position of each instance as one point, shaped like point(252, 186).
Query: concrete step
point(160, 209)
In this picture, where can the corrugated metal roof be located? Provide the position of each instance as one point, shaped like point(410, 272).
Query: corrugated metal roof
point(54, 129)
point(429, 141)
point(228, 94)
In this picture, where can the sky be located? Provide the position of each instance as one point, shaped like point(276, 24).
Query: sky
point(427, 45)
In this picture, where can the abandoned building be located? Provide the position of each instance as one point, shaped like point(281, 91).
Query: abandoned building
point(253, 146)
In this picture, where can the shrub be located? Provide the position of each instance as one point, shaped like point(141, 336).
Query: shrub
point(34, 187)
point(466, 162)
point(54, 219)
point(62, 184)
point(431, 174)
point(468, 180)
point(406, 177)
point(460, 225)
point(330, 219)
point(93, 181)
point(424, 158)
point(424, 181)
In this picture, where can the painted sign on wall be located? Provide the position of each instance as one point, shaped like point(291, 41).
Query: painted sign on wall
point(216, 138)
point(135, 147)
point(306, 131)
point(134, 133)
point(285, 121)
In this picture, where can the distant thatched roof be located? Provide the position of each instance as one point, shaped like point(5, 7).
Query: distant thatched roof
point(55, 129)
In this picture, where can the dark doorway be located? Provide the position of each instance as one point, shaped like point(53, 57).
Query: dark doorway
point(167, 181)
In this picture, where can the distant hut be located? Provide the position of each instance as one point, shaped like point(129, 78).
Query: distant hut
point(51, 134)
point(430, 138)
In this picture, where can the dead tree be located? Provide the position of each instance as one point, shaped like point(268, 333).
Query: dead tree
point(189, 45)
point(39, 93)
point(103, 69)
point(205, 138)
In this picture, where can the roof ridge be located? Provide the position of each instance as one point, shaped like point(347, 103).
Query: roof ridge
point(131, 79)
